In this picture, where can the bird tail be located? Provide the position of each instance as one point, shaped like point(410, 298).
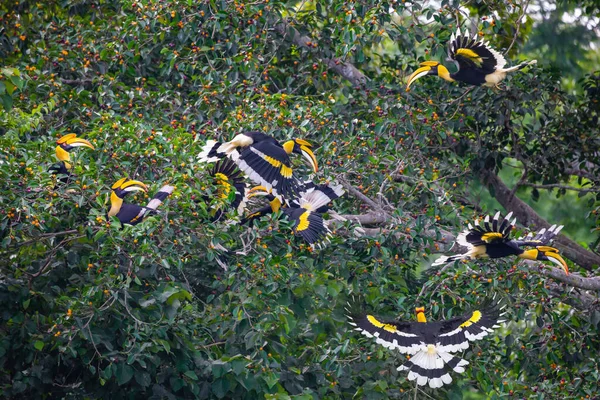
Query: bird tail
point(520, 66)
point(214, 151)
point(445, 259)
point(432, 368)
point(159, 197)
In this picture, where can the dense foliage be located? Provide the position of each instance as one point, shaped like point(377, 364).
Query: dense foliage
point(92, 310)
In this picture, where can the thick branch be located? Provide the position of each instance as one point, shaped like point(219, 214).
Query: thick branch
point(343, 68)
point(576, 280)
point(527, 216)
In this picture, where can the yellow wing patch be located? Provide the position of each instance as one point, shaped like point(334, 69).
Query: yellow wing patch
point(303, 224)
point(476, 317)
point(272, 161)
point(488, 237)
point(381, 325)
point(286, 171)
point(470, 54)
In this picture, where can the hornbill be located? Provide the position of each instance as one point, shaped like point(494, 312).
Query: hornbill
point(263, 159)
point(305, 211)
point(230, 186)
point(493, 240)
point(430, 343)
point(133, 214)
point(65, 144)
point(478, 63)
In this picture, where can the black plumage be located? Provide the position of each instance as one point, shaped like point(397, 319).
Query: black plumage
point(429, 343)
point(492, 239)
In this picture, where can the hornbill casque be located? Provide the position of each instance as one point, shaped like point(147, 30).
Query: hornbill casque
point(305, 211)
point(231, 186)
point(429, 343)
point(263, 159)
point(133, 214)
point(65, 144)
point(478, 63)
point(493, 240)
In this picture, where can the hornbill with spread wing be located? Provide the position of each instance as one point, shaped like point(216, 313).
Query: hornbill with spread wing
point(430, 343)
point(230, 186)
point(263, 159)
point(478, 63)
point(65, 144)
point(493, 240)
point(305, 211)
point(133, 214)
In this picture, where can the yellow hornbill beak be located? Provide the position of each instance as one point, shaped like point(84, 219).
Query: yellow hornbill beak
point(546, 253)
point(302, 147)
point(551, 254)
point(77, 142)
point(258, 191)
point(427, 68)
point(130, 185)
point(310, 156)
point(72, 140)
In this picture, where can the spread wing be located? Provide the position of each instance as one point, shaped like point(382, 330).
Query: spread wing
point(390, 334)
point(455, 334)
point(471, 53)
point(543, 237)
point(492, 231)
point(268, 165)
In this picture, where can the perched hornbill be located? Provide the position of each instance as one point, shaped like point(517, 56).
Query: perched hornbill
point(263, 159)
point(230, 186)
point(430, 343)
point(493, 240)
point(306, 211)
point(133, 214)
point(478, 63)
point(65, 144)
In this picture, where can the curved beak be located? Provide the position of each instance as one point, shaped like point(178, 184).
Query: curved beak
point(133, 185)
point(416, 75)
point(77, 142)
point(310, 156)
point(258, 191)
point(426, 68)
point(558, 260)
point(65, 138)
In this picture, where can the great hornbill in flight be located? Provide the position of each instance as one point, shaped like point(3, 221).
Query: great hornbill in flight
point(263, 159)
point(231, 186)
point(133, 214)
point(478, 63)
point(493, 240)
point(305, 211)
point(430, 343)
point(65, 144)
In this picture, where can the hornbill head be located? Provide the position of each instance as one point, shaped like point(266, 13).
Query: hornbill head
point(124, 186)
point(546, 253)
point(429, 68)
point(303, 147)
point(66, 143)
point(420, 314)
point(262, 191)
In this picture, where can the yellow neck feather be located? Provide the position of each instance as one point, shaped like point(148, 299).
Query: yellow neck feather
point(62, 154)
point(421, 317)
point(115, 204)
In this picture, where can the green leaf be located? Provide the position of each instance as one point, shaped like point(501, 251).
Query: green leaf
point(39, 345)
point(124, 373)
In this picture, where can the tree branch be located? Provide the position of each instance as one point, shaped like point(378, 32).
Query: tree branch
point(527, 216)
point(343, 68)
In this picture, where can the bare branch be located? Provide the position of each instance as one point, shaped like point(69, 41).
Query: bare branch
point(527, 216)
